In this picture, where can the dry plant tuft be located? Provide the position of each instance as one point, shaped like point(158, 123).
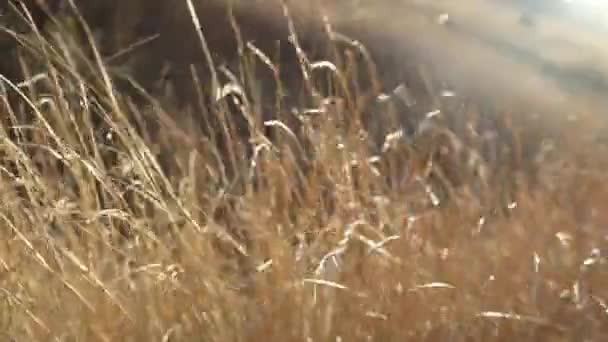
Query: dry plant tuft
point(351, 213)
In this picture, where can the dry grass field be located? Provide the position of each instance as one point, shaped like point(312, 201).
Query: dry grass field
point(385, 173)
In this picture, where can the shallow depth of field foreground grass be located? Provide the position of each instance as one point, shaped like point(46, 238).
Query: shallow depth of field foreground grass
point(150, 239)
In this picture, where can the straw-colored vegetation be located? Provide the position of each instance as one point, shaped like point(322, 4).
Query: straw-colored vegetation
point(356, 216)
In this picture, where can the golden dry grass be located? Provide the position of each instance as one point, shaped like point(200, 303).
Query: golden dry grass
point(112, 232)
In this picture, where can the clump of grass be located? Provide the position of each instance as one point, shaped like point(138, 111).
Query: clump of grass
point(122, 223)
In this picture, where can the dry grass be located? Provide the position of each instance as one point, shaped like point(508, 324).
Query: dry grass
point(112, 231)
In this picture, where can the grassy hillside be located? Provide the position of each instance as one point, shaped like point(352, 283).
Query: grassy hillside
point(413, 188)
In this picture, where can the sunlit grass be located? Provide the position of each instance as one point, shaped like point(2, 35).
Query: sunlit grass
point(124, 221)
